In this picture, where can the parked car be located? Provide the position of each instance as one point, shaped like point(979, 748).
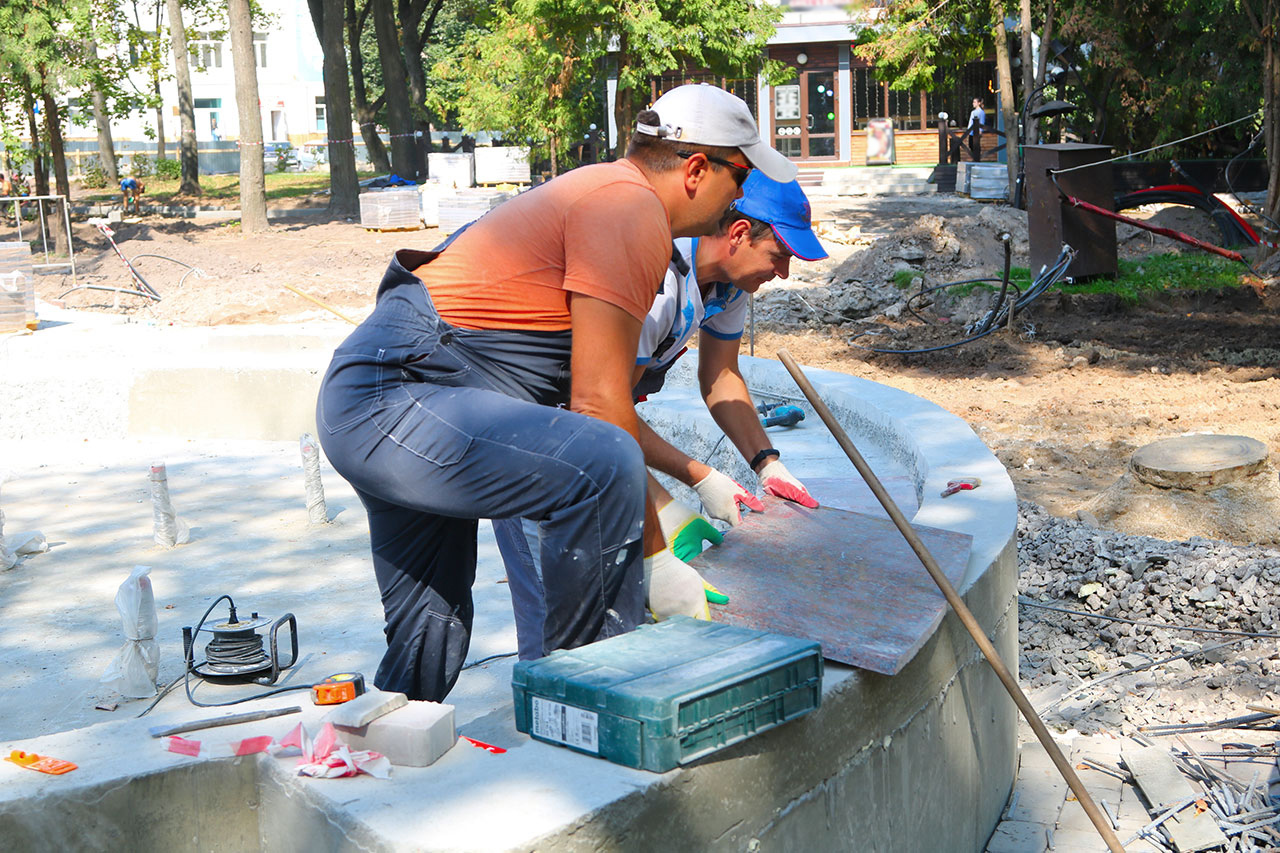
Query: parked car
point(279, 156)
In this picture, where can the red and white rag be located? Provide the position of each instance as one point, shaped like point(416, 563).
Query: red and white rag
point(324, 757)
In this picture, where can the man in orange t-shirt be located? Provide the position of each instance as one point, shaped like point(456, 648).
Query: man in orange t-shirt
point(448, 404)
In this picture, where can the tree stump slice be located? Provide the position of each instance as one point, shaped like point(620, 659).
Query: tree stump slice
point(1198, 462)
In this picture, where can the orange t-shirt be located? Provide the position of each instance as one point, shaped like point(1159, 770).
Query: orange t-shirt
point(598, 230)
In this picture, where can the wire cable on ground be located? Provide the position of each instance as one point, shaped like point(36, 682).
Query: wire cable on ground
point(1219, 631)
point(475, 663)
point(998, 316)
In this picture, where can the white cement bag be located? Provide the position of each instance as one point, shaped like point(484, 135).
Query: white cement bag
point(136, 667)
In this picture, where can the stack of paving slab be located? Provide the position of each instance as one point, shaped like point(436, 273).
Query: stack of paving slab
point(456, 170)
point(502, 164)
point(466, 206)
point(982, 180)
point(392, 209)
point(17, 288)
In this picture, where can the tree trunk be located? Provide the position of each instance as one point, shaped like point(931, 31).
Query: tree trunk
point(414, 35)
point(624, 106)
point(344, 187)
point(106, 146)
point(1028, 68)
point(404, 154)
point(37, 159)
point(1271, 111)
point(160, 146)
point(54, 214)
point(187, 152)
point(366, 113)
point(1005, 72)
point(253, 186)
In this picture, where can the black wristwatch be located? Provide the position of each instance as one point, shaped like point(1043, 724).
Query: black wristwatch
point(762, 455)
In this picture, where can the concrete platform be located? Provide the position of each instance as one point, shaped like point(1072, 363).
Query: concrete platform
point(921, 760)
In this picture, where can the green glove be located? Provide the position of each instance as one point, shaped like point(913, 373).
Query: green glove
point(686, 531)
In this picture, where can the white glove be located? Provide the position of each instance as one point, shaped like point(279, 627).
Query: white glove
point(721, 495)
point(777, 481)
point(675, 588)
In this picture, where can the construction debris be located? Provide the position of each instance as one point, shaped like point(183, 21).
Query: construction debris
point(1104, 673)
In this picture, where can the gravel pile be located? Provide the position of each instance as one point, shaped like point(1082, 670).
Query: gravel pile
point(1197, 582)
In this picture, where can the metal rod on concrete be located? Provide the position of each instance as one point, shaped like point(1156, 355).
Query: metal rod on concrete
point(323, 305)
point(966, 616)
point(233, 719)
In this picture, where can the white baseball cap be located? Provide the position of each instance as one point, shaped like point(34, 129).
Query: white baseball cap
point(707, 115)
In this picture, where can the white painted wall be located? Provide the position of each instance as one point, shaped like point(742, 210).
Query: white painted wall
point(288, 86)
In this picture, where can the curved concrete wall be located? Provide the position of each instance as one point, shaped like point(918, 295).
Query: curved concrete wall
point(923, 760)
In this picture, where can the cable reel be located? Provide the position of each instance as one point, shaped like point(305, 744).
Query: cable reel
point(236, 651)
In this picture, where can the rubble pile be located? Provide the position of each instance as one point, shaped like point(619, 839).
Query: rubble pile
point(933, 250)
point(1195, 583)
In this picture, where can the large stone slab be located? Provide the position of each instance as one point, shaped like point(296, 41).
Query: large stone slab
point(845, 579)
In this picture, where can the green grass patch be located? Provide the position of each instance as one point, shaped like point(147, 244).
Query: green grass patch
point(1159, 273)
point(280, 185)
point(1137, 279)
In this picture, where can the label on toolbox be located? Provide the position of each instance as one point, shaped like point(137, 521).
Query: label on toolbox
point(566, 724)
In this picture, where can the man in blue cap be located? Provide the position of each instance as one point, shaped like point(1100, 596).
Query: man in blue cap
point(705, 293)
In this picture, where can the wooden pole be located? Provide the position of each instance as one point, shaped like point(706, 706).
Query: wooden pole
point(966, 616)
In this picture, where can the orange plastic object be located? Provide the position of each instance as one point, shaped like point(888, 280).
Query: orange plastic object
point(40, 763)
point(333, 693)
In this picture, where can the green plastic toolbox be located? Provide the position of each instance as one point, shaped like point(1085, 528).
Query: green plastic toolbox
point(667, 694)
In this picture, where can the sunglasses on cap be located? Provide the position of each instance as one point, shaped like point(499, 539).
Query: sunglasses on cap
point(738, 171)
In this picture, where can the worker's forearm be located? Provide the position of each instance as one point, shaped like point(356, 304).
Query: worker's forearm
point(623, 414)
point(661, 455)
point(729, 402)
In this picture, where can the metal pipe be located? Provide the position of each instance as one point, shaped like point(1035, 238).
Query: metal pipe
point(1096, 817)
point(71, 249)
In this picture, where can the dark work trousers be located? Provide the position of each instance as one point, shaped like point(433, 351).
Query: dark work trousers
point(518, 542)
point(975, 144)
point(436, 427)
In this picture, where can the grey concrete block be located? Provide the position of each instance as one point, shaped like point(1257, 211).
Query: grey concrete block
point(363, 710)
point(1018, 836)
point(1038, 800)
point(412, 736)
point(1077, 841)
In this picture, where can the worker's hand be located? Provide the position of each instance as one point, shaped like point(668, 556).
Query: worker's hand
point(686, 531)
point(675, 588)
point(721, 496)
point(777, 481)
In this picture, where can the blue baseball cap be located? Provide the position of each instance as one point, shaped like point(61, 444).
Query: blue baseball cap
point(786, 209)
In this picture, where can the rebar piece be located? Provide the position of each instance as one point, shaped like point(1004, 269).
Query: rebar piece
point(317, 511)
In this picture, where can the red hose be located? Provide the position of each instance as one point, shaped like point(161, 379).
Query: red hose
point(1167, 232)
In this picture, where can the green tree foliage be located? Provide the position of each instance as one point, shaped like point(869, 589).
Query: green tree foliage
point(532, 70)
point(918, 45)
point(528, 76)
point(1152, 71)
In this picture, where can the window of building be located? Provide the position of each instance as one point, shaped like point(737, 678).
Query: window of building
point(209, 53)
point(867, 96)
point(320, 114)
point(208, 103)
point(904, 109)
point(976, 80)
point(260, 49)
point(744, 88)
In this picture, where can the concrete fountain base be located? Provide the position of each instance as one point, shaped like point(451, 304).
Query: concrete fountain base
point(923, 760)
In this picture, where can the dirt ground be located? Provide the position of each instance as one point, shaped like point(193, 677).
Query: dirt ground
point(1063, 400)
